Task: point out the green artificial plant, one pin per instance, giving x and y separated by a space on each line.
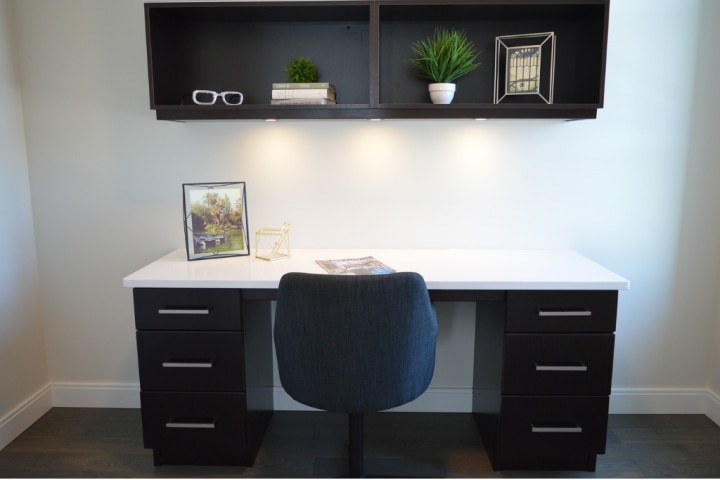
444 56
301 70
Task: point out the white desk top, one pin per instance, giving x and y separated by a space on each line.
442 269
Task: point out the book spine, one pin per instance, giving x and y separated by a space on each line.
280 94
302 101
303 85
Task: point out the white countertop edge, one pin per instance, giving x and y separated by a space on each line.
570 271
430 285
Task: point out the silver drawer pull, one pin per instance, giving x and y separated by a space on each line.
190 424
550 429
539 367
186 364
564 313
184 311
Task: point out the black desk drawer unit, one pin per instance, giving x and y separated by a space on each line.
544 424
185 423
558 364
199 405
187 309
561 311
191 361
543 371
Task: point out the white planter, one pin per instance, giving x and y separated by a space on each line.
441 93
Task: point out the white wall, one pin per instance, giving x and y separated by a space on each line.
665 341
23 366
699 234
628 190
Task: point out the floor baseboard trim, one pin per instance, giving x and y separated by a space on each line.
452 400
94 395
25 415
449 400
713 407
652 401
630 401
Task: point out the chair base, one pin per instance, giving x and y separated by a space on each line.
354 466
381 467
357 434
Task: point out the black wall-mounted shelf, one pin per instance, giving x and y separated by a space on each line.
361 47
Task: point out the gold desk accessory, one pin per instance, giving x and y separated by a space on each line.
273 243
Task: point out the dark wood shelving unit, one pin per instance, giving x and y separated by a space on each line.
361 47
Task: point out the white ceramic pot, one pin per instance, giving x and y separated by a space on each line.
441 93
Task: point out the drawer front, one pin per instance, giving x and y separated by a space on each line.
558 364
214 421
187 309
191 361
538 424
561 311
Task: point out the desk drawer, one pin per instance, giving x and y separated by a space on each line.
187 309
539 424
558 364
214 421
561 311
191 361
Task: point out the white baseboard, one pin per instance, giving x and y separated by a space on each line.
674 401
712 409
128 396
451 400
622 401
25 415
96 395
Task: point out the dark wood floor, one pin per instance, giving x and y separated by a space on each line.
78 442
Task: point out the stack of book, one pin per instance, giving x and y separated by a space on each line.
321 93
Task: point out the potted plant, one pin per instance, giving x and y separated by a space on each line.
301 70
443 57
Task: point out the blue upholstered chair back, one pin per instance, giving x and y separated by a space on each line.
354 343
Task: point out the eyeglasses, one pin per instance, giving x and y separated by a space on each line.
208 97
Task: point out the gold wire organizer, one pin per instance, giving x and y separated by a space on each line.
273 243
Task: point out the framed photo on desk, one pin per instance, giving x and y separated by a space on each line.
215 220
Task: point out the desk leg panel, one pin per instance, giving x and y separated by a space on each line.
487 371
257 323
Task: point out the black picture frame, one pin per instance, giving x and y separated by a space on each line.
215 220
537 82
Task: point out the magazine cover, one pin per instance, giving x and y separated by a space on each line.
355 266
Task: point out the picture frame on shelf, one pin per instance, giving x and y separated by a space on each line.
525 68
215 220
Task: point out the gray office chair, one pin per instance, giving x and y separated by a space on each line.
354 344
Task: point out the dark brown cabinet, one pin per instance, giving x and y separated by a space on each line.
541 383
200 405
543 370
361 47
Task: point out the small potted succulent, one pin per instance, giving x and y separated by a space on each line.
443 57
301 70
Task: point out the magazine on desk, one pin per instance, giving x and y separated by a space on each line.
355 266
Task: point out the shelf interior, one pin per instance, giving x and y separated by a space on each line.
362 48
